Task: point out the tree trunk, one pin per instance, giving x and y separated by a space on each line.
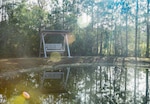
115 40
97 33
135 69
101 44
126 53
147 24
147 87
125 95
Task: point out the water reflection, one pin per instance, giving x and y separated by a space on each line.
86 85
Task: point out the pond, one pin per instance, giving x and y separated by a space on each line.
78 85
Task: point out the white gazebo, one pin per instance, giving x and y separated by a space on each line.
55 46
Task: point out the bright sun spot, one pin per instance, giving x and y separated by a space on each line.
83 20
97 1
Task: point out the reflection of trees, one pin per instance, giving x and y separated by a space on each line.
111 88
102 85
86 85
94 86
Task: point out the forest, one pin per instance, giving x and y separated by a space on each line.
99 27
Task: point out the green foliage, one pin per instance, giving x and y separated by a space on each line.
106 34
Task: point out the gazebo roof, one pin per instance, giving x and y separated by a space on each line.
55 32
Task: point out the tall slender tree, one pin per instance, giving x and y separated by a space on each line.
136 33
148 27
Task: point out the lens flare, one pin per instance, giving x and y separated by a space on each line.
71 38
83 20
55 57
26 95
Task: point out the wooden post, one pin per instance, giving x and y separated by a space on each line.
45 54
67 76
68 49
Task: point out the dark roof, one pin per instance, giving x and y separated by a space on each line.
55 32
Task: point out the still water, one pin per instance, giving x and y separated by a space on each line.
77 85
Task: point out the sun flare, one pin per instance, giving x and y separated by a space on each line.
83 20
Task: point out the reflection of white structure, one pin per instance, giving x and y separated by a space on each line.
54 81
2 99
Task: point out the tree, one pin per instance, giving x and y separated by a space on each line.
148 26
